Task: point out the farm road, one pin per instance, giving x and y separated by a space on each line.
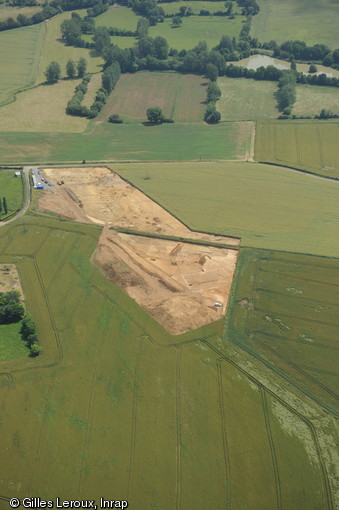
27 197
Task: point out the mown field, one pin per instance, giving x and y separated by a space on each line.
180 96
311 100
117 16
197 28
11 188
309 146
315 21
55 49
243 99
43 109
130 407
20 51
268 207
286 309
108 142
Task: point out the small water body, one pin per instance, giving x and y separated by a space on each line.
256 61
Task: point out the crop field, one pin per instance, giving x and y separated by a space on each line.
287 310
131 405
311 100
308 146
195 5
243 99
20 51
117 16
108 142
180 96
43 109
266 206
55 49
315 21
11 188
197 28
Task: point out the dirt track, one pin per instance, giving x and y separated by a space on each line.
177 283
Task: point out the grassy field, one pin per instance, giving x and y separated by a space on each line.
43 109
11 188
180 96
309 146
19 54
315 21
195 5
195 29
311 100
117 16
268 207
130 407
55 49
243 99
109 142
11 344
7 11
287 310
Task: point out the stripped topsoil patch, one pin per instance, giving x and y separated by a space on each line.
182 285
9 279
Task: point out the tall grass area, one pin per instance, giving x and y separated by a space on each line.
243 99
197 28
311 21
311 100
20 51
122 400
268 207
195 5
55 49
117 16
11 344
11 188
311 146
108 142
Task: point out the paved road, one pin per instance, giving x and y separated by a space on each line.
27 198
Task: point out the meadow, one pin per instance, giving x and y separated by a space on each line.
308 146
43 109
129 405
20 51
311 100
195 5
7 11
54 49
195 29
243 99
311 21
117 16
109 142
286 310
11 188
180 96
268 207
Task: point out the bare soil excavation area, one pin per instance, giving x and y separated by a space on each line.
177 283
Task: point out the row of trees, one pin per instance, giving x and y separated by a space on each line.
73 70
29 335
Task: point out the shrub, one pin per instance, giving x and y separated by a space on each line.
115 119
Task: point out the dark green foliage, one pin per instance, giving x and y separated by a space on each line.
28 334
142 27
211 72
81 67
74 106
212 116
110 77
10 308
115 119
71 32
286 94
101 39
53 72
213 93
4 203
161 48
71 69
155 115
176 21
312 69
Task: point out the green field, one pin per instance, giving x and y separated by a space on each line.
268 207
43 109
311 100
109 142
180 96
171 420
195 5
55 49
243 99
11 188
11 344
20 51
311 21
12 12
195 29
287 310
119 17
309 146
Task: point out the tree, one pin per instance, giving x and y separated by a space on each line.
71 31
115 119
212 72
312 69
155 115
0 208
142 27
161 48
81 66
212 116
229 8
53 72
5 205
35 349
176 21
71 69
213 93
101 39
